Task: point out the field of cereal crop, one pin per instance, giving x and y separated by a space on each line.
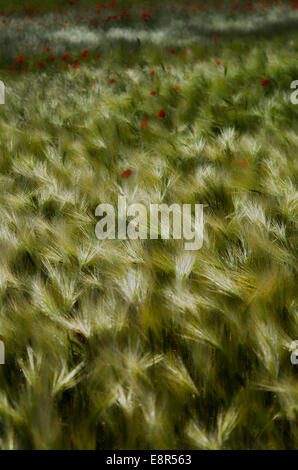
139 343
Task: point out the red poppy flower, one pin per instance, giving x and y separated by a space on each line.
85 53
41 64
152 72
153 93
52 59
11 67
145 16
161 114
20 60
265 81
214 38
176 87
26 69
75 66
126 173
98 55
144 123
172 51
66 56
169 67
243 163
112 80
47 49
218 62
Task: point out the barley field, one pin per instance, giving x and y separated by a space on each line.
139 343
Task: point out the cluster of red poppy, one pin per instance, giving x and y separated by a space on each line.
85 53
51 58
146 16
161 114
112 11
66 56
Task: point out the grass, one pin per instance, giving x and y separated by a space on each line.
139 344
